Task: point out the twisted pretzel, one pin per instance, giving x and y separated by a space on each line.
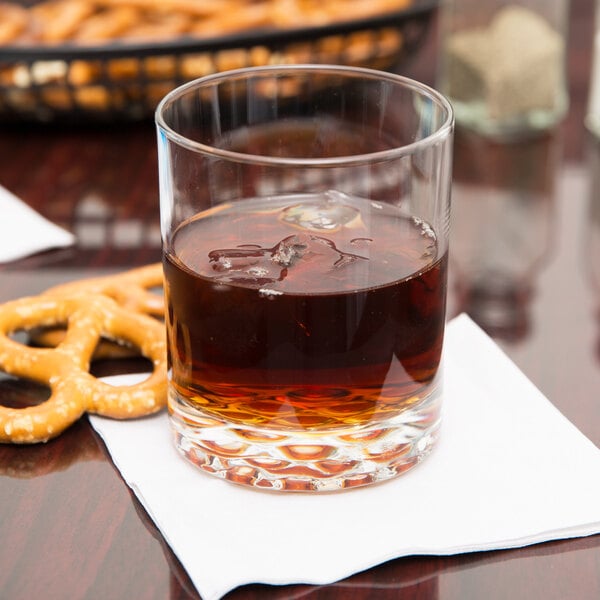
65 368
137 289
131 289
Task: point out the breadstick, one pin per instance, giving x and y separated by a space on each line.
107 25
13 21
60 21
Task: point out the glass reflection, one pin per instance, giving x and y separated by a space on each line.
412 576
592 232
502 225
97 225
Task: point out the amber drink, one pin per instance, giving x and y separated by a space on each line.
305 319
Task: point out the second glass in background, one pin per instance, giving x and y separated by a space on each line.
503 64
592 117
503 225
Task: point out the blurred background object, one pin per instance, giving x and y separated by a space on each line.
502 226
502 64
591 248
592 118
106 60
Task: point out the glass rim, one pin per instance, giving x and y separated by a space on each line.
440 133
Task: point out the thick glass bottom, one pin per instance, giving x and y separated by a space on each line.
307 460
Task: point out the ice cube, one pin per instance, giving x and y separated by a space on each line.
246 265
311 251
326 212
290 249
296 255
234 259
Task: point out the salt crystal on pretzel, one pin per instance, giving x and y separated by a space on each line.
65 368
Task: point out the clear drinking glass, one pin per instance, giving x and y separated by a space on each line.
304 215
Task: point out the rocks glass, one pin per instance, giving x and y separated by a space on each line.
304 217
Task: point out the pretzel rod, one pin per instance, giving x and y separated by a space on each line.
243 17
158 29
107 25
93 21
291 13
190 7
13 20
83 72
360 9
61 20
136 83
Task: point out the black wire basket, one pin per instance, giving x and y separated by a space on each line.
120 81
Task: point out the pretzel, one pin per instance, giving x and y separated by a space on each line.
65 368
132 289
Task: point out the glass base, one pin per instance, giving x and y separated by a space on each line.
307 460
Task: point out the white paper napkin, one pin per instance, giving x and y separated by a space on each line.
509 470
23 231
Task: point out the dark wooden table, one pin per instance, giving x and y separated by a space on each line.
70 527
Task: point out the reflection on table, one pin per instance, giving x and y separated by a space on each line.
591 254
502 226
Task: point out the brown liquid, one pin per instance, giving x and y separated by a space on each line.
280 320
